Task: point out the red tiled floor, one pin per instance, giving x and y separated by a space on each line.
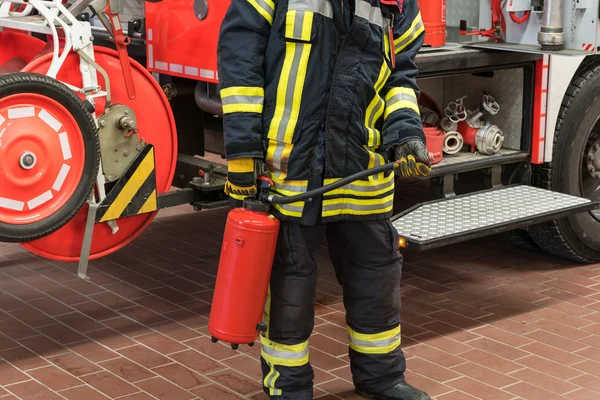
482 320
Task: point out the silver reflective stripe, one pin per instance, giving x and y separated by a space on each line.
267 7
270 380
401 96
290 188
366 11
289 103
375 343
410 37
286 355
357 207
370 188
322 7
291 208
374 112
377 163
298 24
240 99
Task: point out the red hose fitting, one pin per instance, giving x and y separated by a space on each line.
468 133
521 19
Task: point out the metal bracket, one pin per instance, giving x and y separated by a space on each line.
86 246
496 177
448 186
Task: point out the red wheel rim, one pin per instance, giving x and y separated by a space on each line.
157 127
41 158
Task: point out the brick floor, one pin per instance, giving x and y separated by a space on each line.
481 320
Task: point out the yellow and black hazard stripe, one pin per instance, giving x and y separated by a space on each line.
135 192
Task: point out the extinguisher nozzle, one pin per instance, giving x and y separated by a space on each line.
214 339
235 346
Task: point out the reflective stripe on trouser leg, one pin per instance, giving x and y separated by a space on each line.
285 352
374 343
366 255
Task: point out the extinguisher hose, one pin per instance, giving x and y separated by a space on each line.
307 196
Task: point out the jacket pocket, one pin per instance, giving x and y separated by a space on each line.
299 26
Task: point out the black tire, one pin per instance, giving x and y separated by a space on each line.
520 238
21 82
576 237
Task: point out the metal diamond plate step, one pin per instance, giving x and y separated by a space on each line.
447 221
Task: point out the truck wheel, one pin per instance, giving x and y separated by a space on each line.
575 169
49 156
519 238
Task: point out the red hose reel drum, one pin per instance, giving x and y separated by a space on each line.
433 13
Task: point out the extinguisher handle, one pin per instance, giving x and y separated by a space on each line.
265 181
264 184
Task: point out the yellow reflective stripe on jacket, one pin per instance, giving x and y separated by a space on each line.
377 343
289 188
398 98
413 32
289 92
350 206
363 188
242 99
375 108
266 8
375 160
284 354
298 25
290 210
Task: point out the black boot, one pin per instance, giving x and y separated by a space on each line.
401 391
306 395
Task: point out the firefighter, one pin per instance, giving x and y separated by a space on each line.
312 92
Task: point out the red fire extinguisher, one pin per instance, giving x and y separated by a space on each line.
247 255
434 19
246 261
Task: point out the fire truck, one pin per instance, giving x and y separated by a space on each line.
110 110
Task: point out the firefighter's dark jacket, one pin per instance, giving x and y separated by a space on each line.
319 97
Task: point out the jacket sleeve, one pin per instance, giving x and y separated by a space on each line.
402 120
241 52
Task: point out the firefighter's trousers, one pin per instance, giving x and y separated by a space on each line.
368 266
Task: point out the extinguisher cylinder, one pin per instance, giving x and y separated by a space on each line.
434 19
247 254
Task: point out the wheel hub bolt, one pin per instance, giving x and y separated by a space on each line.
27 160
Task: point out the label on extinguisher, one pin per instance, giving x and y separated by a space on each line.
444 11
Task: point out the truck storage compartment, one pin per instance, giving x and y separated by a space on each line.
488 116
480 115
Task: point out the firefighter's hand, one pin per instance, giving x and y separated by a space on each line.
242 174
413 159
